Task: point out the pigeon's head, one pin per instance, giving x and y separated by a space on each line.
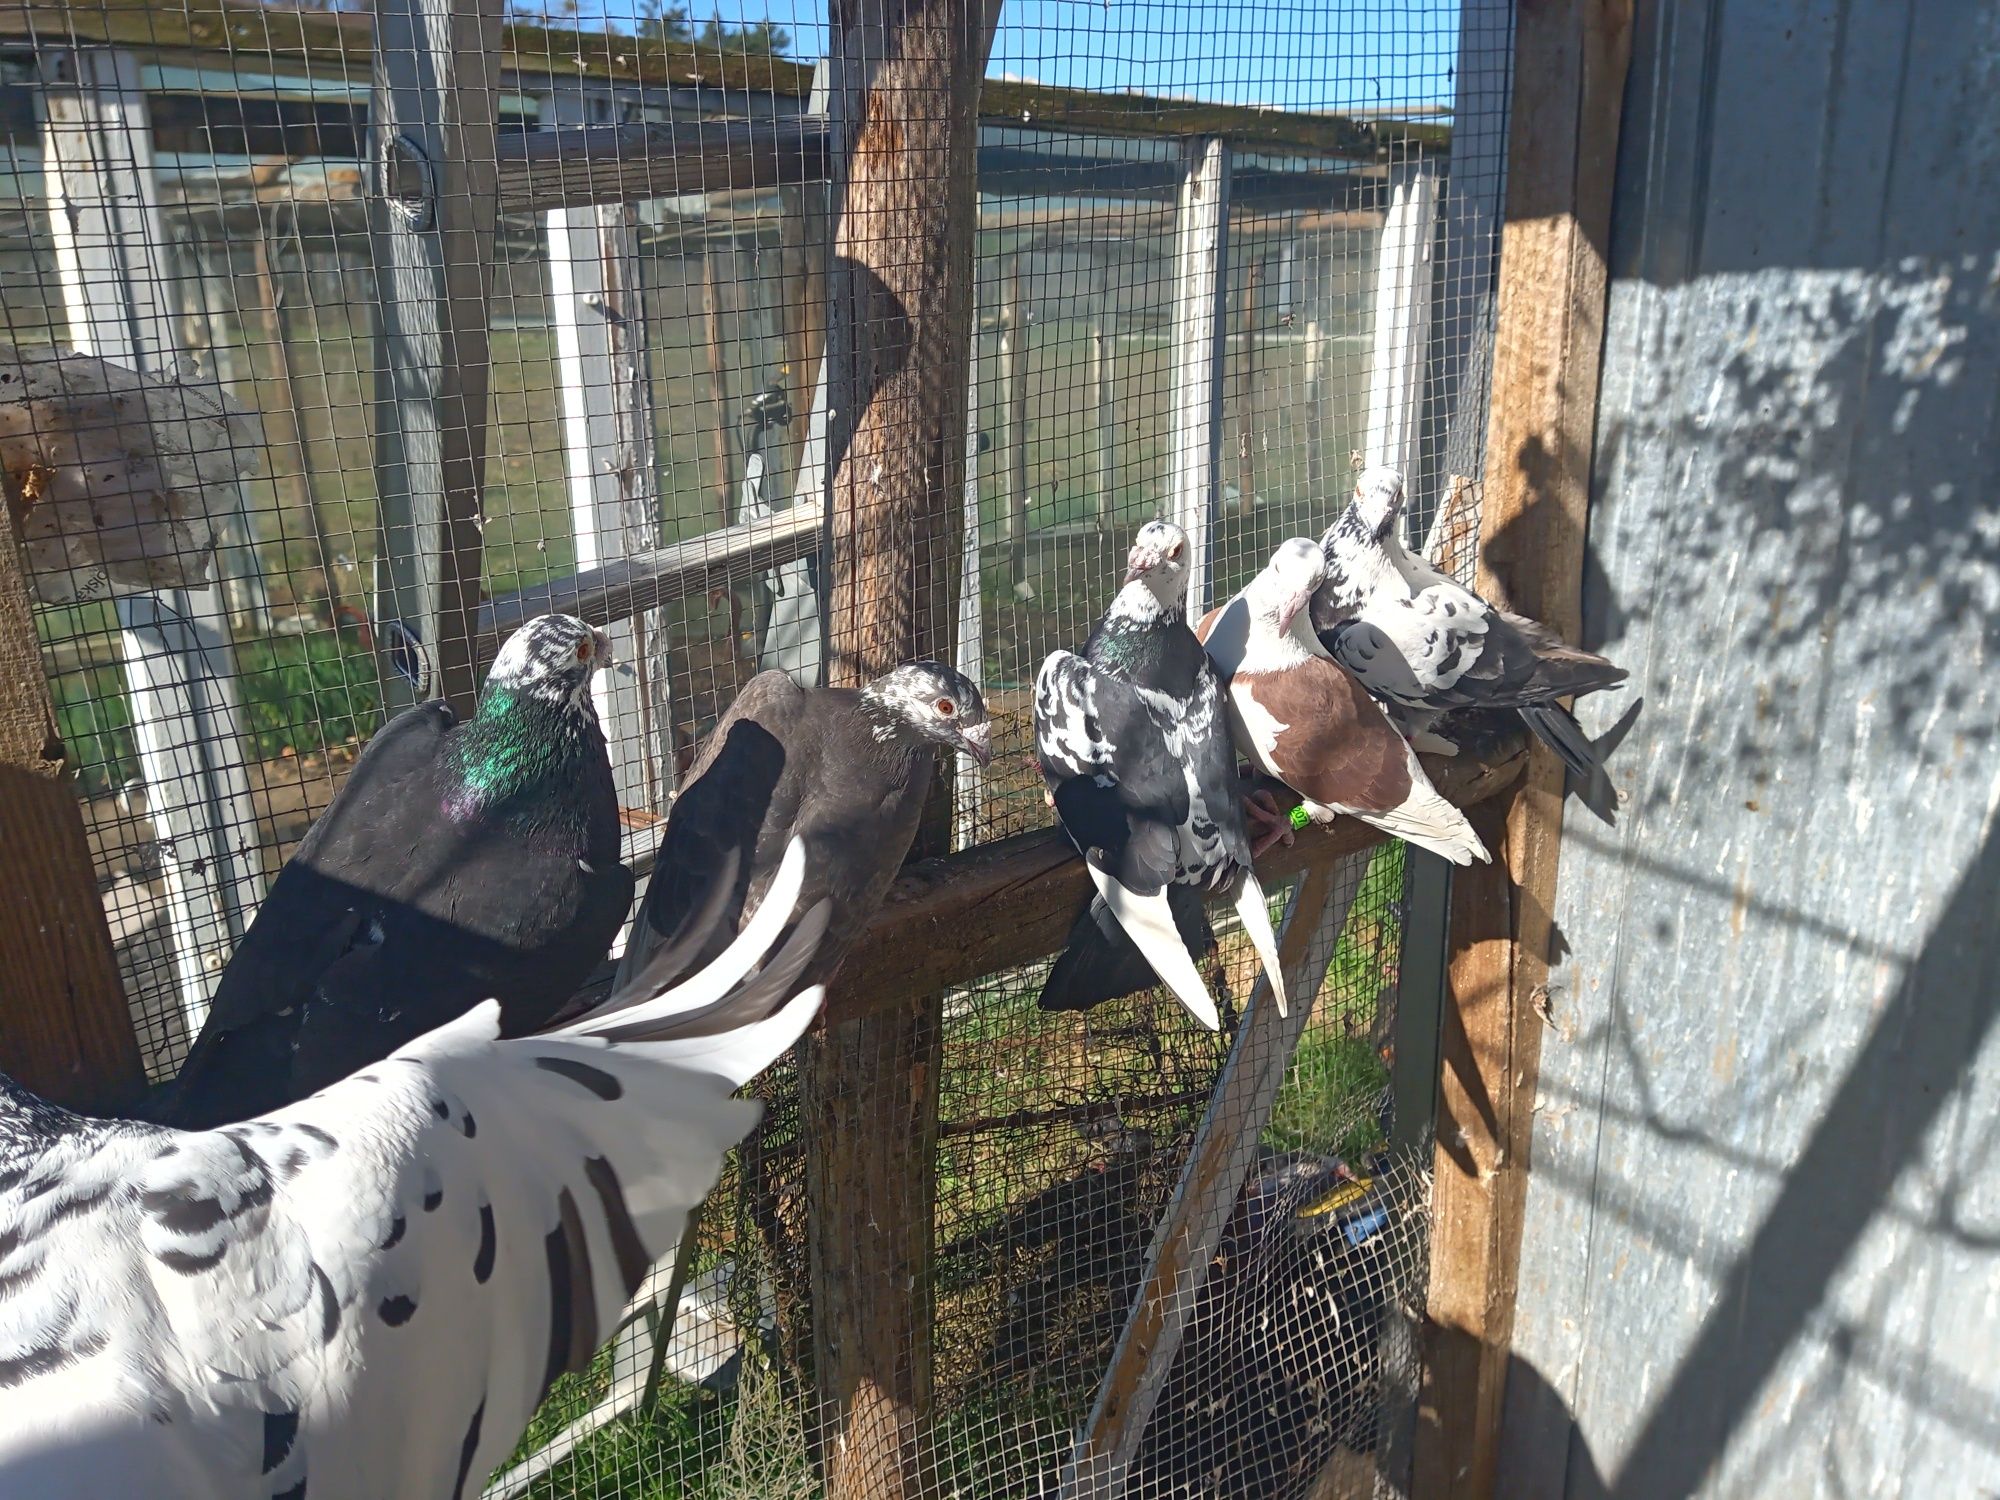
1289 580
550 659
1378 501
937 705
1159 559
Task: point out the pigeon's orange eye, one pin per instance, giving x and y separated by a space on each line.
583 650
1174 552
946 707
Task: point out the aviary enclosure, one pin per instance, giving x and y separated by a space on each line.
817 342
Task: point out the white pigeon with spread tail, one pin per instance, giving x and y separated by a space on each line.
1424 644
365 1295
1133 741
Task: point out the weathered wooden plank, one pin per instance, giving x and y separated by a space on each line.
432 141
1014 318
111 262
64 1031
597 309
618 590
904 84
627 163
1553 280
1201 281
955 919
1185 1239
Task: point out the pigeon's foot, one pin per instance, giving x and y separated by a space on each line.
1262 809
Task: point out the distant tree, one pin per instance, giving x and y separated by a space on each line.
759 38
663 23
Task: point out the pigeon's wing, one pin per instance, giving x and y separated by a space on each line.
369 1292
1121 793
1313 728
1435 651
314 922
736 794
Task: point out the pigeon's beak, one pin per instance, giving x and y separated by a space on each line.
601 653
977 742
1289 610
1139 564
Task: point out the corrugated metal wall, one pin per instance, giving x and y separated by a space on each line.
1762 1251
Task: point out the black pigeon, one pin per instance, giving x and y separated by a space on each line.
367 1293
1282 1358
1133 739
460 862
1424 645
846 770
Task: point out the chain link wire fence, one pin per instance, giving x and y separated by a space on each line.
634 340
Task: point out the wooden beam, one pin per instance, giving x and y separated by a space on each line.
1225 1147
597 310
1104 405
957 918
64 1031
643 580
1553 282
1201 281
432 141
575 168
904 79
1014 384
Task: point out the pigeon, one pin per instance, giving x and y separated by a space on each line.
1302 718
1281 1362
846 770
1132 741
1424 644
365 1295
460 862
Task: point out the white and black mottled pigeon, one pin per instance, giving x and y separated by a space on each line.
846 770
460 862
365 1295
1424 644
1132 740
1301 717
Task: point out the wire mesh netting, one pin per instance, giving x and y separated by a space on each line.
1220 253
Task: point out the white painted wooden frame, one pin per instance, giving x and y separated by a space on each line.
969 790
1403 294
597 310
111 262
1201 285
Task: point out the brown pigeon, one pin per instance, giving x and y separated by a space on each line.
1298 716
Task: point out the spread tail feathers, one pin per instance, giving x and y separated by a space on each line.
1100 963
1557 728
1149 922
1255 913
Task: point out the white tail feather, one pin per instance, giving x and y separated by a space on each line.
1255 914
1149 922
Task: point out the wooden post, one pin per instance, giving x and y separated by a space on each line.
1403 283
179 668
599 315
432 149
969 787
280 412
905 76
1553 279
64 1030
1246 390
1014 378
718 378
1201 281
1225 1147
1104 402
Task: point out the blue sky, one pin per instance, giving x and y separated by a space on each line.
1294 54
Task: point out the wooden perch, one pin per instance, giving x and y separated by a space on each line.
957 918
